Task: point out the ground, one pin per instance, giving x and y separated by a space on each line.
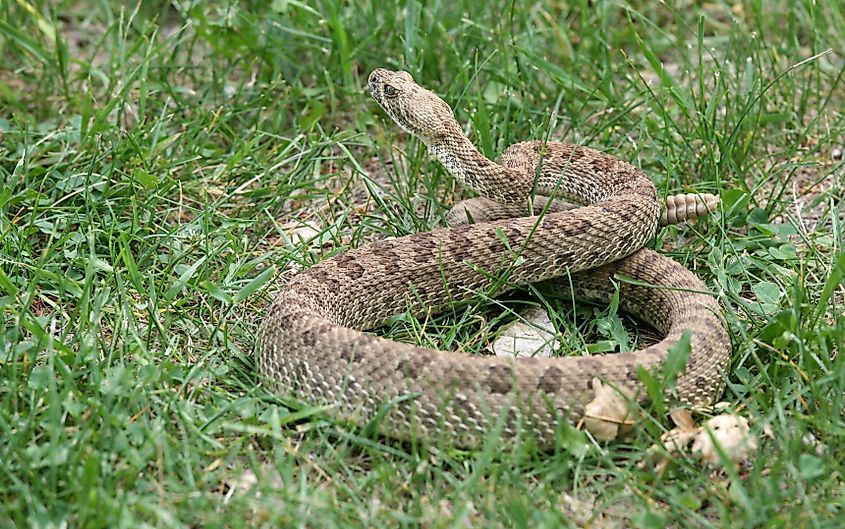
161 165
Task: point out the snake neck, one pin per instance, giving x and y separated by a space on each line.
472 169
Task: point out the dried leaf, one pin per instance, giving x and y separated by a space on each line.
607 416
731 433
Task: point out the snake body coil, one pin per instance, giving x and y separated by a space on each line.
312 344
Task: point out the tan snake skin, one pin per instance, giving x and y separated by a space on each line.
312 345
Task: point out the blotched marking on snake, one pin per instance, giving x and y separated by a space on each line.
312 342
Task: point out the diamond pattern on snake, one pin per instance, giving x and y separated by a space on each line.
313 343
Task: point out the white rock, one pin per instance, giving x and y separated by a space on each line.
532 335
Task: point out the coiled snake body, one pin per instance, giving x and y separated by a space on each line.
312 344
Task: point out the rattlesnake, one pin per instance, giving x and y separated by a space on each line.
311 343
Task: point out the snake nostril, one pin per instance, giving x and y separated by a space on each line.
372 83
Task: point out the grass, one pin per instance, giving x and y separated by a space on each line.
156 161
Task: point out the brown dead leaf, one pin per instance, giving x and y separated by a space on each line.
607 417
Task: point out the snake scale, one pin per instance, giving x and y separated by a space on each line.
312 343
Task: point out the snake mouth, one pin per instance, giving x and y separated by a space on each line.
375 83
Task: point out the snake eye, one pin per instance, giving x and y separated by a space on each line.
390 91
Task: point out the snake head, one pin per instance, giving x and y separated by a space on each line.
415 109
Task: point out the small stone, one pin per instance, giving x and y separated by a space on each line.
532 335
836 153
